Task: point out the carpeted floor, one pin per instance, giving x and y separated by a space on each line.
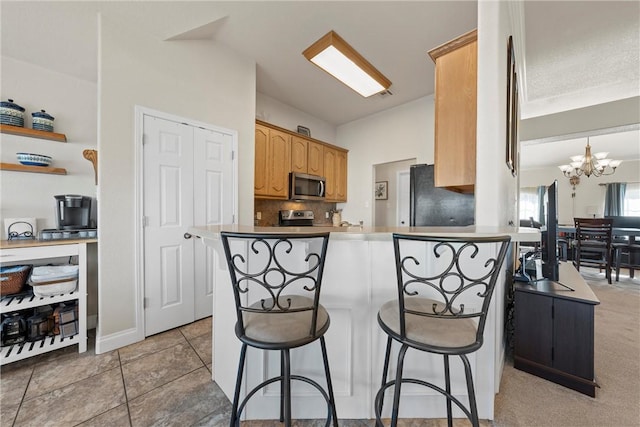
528 401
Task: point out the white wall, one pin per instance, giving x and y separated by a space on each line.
73 103
191 79
496 189
400 133
386 211
407 131
272 111
589 192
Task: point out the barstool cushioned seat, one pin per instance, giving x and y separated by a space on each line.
284 327
433 331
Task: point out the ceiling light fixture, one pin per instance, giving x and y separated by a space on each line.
596 164
338 58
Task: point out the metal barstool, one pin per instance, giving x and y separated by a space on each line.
276 282
438 279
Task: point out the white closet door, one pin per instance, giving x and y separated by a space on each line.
168 208
213 205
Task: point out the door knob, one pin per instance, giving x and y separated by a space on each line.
187 236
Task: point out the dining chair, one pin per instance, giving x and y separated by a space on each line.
593 244
627 255
444 287
276 280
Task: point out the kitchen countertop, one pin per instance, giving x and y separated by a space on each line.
522 234
27 243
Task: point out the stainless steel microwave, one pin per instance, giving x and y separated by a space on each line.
306 187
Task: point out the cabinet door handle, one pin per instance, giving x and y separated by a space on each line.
187 236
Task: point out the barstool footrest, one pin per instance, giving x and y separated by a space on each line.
378 408
280 378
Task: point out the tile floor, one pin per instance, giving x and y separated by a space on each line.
164 380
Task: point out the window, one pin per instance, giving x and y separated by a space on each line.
631 204
529 204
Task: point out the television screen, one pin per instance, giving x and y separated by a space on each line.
550 235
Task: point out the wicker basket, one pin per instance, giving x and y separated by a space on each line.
13 278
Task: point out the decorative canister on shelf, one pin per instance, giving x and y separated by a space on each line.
42 121
11 113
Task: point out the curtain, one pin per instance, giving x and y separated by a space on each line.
541 216
614 199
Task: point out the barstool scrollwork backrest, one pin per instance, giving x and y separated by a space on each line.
278 269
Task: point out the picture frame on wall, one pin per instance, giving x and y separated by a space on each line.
380 190
512 110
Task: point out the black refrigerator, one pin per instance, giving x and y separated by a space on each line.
431 206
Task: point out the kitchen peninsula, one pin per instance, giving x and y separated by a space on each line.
359 277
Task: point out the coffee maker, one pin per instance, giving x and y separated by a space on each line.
73 211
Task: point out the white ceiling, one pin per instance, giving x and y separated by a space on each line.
574 52
621 145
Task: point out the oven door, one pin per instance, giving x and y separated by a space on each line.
306 187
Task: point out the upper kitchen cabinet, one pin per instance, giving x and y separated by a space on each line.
272 163
455 113
315 158
280 151
306 156
299 148
335 172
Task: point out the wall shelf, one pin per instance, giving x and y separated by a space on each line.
33 133
35 169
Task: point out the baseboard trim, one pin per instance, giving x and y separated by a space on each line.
117 340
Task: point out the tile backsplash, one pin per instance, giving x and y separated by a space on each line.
269 210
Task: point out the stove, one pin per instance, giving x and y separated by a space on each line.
295 218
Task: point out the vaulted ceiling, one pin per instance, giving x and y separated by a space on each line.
573 52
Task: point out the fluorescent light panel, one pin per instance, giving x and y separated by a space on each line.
338 58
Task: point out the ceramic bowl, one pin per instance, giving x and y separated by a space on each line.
31 159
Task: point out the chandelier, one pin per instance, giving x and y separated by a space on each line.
590 164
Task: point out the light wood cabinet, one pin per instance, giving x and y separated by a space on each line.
299 149
315 159
279 151
341 176
272 163
455 113
307 156
335 172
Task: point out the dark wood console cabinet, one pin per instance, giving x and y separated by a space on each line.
554 330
